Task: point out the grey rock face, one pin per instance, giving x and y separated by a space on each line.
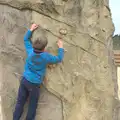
82 86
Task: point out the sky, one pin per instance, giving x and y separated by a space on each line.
115 9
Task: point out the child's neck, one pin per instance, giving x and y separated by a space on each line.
39 51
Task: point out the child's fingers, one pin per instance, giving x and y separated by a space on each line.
36 26
60 37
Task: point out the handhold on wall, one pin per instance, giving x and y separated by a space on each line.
63 31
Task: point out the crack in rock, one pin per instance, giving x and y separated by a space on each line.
26 5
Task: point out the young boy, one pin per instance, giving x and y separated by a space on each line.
34 72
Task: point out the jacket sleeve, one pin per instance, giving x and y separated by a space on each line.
27 41
56 59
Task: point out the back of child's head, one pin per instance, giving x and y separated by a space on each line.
40 43
39 39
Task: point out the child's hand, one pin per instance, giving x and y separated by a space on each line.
33 27
60 43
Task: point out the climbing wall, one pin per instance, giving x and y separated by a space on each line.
82 86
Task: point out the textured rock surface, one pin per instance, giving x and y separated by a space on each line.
82 86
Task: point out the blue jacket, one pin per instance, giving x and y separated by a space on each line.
36 63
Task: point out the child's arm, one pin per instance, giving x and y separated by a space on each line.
27 41
56 59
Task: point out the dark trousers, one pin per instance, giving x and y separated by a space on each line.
27 89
